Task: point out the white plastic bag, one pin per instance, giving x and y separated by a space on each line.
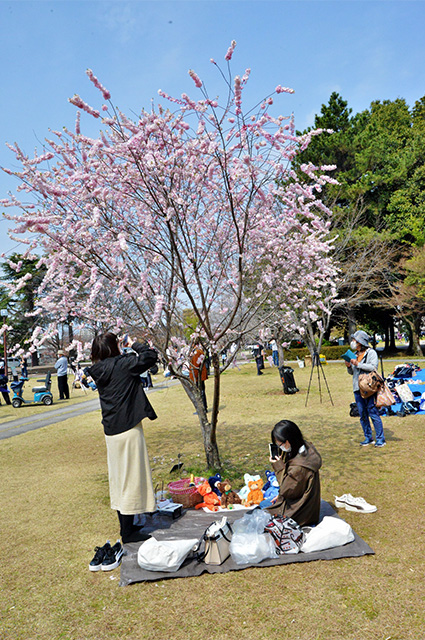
249 543
250 548
164 555
252 522
331 532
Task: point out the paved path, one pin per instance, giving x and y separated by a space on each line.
46 418
22 425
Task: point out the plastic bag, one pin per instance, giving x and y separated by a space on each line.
252 522
252 547
249 544
330 532
164 555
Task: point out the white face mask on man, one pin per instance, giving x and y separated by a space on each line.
353 345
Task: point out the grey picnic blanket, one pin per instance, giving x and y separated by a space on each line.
192 524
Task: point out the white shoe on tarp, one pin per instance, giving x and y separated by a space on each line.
348 502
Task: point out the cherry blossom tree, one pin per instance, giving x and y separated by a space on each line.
174 210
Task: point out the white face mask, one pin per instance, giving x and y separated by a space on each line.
283 448
353 345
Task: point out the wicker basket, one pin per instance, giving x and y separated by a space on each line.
184 494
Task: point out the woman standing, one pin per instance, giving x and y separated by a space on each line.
297 471
366 361
124 405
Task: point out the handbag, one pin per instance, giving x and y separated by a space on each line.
384 397
286 533
370 383
404 392
217 539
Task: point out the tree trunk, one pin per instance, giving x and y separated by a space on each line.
352 324
208 429
392 335
387 338
414 348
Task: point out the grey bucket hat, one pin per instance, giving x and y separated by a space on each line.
361 337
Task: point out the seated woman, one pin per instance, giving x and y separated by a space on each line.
297 471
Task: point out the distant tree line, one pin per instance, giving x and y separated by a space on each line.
378 212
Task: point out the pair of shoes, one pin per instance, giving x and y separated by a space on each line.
348 502
366 442
380 444
107 558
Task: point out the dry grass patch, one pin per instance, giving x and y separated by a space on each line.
55 509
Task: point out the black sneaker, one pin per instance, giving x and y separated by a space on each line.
113 556
99 556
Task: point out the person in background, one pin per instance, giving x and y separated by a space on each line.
297 471
61 367
275 352
24 367
258 351
3 383
366 361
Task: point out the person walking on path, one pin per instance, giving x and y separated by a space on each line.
61 367
124 405
366 361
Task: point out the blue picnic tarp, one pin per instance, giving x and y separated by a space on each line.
414 384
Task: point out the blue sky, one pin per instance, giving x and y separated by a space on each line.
364 50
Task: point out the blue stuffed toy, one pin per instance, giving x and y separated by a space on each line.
212 482
271 488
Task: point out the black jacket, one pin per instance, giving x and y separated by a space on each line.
122 399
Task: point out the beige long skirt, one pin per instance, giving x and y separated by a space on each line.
130 480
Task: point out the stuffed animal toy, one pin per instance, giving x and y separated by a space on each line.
211 500
243 493
271 488
212 481
228 496
255 495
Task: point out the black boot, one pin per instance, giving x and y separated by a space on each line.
129 532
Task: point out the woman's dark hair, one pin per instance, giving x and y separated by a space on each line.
105 345
288 430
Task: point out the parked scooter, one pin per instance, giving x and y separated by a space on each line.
42 394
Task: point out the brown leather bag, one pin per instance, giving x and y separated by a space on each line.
384 397
370 383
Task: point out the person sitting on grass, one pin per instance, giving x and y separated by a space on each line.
297 471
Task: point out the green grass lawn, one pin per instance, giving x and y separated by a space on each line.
55 509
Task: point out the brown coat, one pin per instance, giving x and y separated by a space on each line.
197 368
299 487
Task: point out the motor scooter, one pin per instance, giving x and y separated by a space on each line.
42 394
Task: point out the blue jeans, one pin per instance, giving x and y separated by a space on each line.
275 355
367 409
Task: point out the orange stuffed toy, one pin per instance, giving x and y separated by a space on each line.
211 499
255 495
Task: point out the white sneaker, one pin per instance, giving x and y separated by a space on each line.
348 502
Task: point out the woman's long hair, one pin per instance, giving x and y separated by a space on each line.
288 430
105 345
